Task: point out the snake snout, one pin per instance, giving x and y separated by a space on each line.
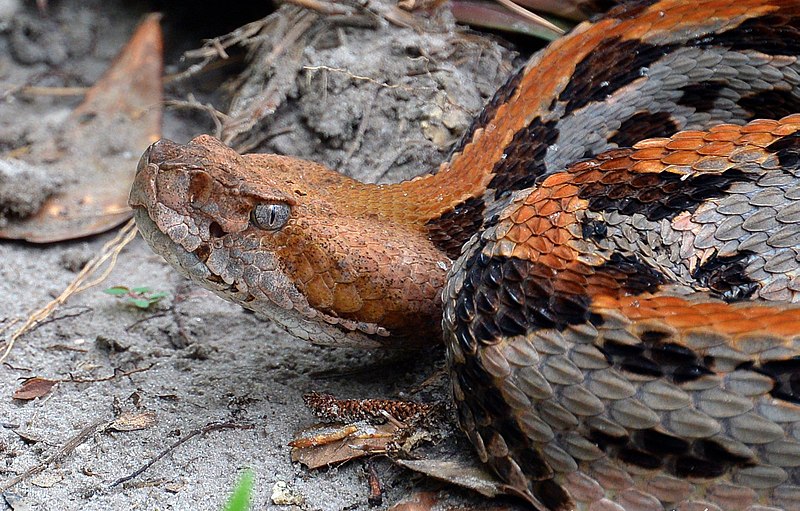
142 189
160 156
164 151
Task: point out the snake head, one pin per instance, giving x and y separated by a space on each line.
291 240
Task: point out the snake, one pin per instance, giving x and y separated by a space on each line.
611 256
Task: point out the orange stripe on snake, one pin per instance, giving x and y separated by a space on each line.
617 297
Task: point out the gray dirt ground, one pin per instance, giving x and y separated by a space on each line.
209 360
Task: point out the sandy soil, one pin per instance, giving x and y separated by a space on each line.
204 360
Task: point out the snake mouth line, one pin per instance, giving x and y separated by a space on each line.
174 253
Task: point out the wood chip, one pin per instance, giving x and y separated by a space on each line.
134 421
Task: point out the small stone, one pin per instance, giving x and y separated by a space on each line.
285 495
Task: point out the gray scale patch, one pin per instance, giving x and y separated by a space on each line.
560 370
662 395
789 214
580 401
785 237
691 423
606 425
719 403
549 342
787 495
514 396
748 383
770 197
760 476
587 356
632 413
519 351
558 459
494 361
783 453
751 428
534 427
635 500
726 359
558 417
609 384
532 383
581 448
761 221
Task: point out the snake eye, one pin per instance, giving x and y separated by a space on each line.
270 217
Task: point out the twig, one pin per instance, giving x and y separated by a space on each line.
375 487
215 48
38 90
289 50
109 252
117 374
362 128
80 311
14 368
358 77
214 426
11 322
144 320
61 452
534 18
191 103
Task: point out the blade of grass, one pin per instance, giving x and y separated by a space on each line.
240 498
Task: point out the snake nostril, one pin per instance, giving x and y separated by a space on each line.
202 252
216 230
161 151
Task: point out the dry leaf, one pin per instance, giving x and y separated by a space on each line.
46 479
174 486
101 140
133 421
28 437
469 476
462 471
325 446
33 388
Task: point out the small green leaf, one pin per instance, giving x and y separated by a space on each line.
142 303
140 290
240 498
157 296
117 290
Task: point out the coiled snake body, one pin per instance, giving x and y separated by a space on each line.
616 239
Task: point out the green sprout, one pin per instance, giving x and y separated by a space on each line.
240 498
142 297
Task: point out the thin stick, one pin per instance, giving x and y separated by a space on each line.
117 374
535 18
214 426
61 452
359 77
110 251
37 90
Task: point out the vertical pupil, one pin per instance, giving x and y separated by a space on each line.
272 215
